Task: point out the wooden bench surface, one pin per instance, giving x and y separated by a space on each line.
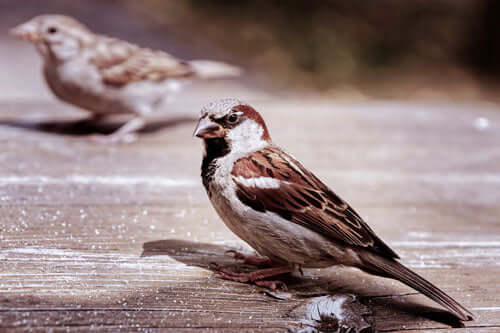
108 237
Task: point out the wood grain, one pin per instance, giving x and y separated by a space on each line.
121 237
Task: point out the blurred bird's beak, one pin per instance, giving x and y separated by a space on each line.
26 31
207 129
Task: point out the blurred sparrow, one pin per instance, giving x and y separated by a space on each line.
108 76
283 211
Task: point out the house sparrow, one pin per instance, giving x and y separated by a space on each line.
292 219
108 76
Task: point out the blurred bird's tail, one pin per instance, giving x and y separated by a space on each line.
207 69
378 265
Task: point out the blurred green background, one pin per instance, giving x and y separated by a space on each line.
352 49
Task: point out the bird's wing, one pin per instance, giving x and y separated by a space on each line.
271 180
120 63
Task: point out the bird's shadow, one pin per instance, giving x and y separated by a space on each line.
83 127
302 286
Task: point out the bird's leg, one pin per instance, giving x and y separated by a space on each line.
256 277
255 260
124 134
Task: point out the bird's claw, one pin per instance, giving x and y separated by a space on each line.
271 285
253 277
219 269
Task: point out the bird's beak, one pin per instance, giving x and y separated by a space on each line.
27 31
207 129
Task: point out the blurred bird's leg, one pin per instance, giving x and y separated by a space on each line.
125 134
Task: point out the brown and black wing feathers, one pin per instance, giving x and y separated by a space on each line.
303 199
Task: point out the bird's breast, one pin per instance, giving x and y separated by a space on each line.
267 232
79 84
72 82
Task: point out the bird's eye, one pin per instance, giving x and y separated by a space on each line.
232 118
52 30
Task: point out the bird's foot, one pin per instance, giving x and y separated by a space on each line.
255 260
255 277
112 138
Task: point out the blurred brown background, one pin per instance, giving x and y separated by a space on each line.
354 49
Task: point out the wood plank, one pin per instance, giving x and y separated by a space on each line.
122 237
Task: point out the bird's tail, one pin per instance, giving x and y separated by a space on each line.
390 268
207 69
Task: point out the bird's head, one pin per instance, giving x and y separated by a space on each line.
57 37
234 123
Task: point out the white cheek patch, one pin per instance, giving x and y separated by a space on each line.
66 49
260 182
246 137
247 130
